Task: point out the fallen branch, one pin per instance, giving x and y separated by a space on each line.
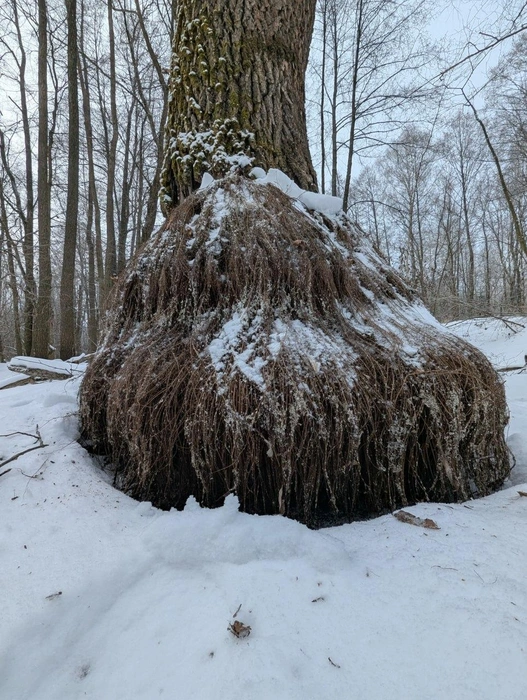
38 437
6 471
20 382
24 452
18 432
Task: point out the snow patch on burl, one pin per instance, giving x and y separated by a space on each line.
323 203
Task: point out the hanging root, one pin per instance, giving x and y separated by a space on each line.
260 349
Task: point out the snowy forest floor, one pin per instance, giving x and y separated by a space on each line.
110 599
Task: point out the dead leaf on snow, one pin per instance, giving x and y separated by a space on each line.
238 629
411 519
523 493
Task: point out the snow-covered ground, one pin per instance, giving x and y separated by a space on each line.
110 599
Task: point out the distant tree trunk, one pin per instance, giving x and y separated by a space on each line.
354 98
157 135
28 243
126 185
324 11
110 263
237 89
13 285
335 58
67 305
95 255
42 327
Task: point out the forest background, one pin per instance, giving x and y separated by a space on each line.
416 117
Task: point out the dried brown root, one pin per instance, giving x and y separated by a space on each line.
257 348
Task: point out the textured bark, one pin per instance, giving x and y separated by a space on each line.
67 282
43 313
110 261
28 243
237 89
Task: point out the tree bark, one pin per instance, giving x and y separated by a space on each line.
94 208
67 282
42 326
110 262
237 90
10 254
28 244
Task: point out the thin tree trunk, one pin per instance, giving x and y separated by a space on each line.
323 104
28 243
334 120
354 105
67 289
518 229
110 265
13 285
323 99
93 197
124 218
42 328
237 90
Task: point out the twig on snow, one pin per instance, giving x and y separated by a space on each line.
38 437
24 452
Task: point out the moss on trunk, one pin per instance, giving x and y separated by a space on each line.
237 92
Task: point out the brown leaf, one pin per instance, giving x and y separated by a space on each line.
523 493
430 524
405 517
238 629
411 519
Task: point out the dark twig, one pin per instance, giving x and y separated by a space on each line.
38 437
24 452
18 432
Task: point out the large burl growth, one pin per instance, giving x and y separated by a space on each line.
261 347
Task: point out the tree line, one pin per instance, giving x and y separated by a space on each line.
81 142
81 157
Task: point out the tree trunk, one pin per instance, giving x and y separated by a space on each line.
28 243
42 327
324 11
126 187
110 262
237 90
67 305
94 209
10 254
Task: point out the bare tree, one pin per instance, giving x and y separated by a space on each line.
43 313
67 283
